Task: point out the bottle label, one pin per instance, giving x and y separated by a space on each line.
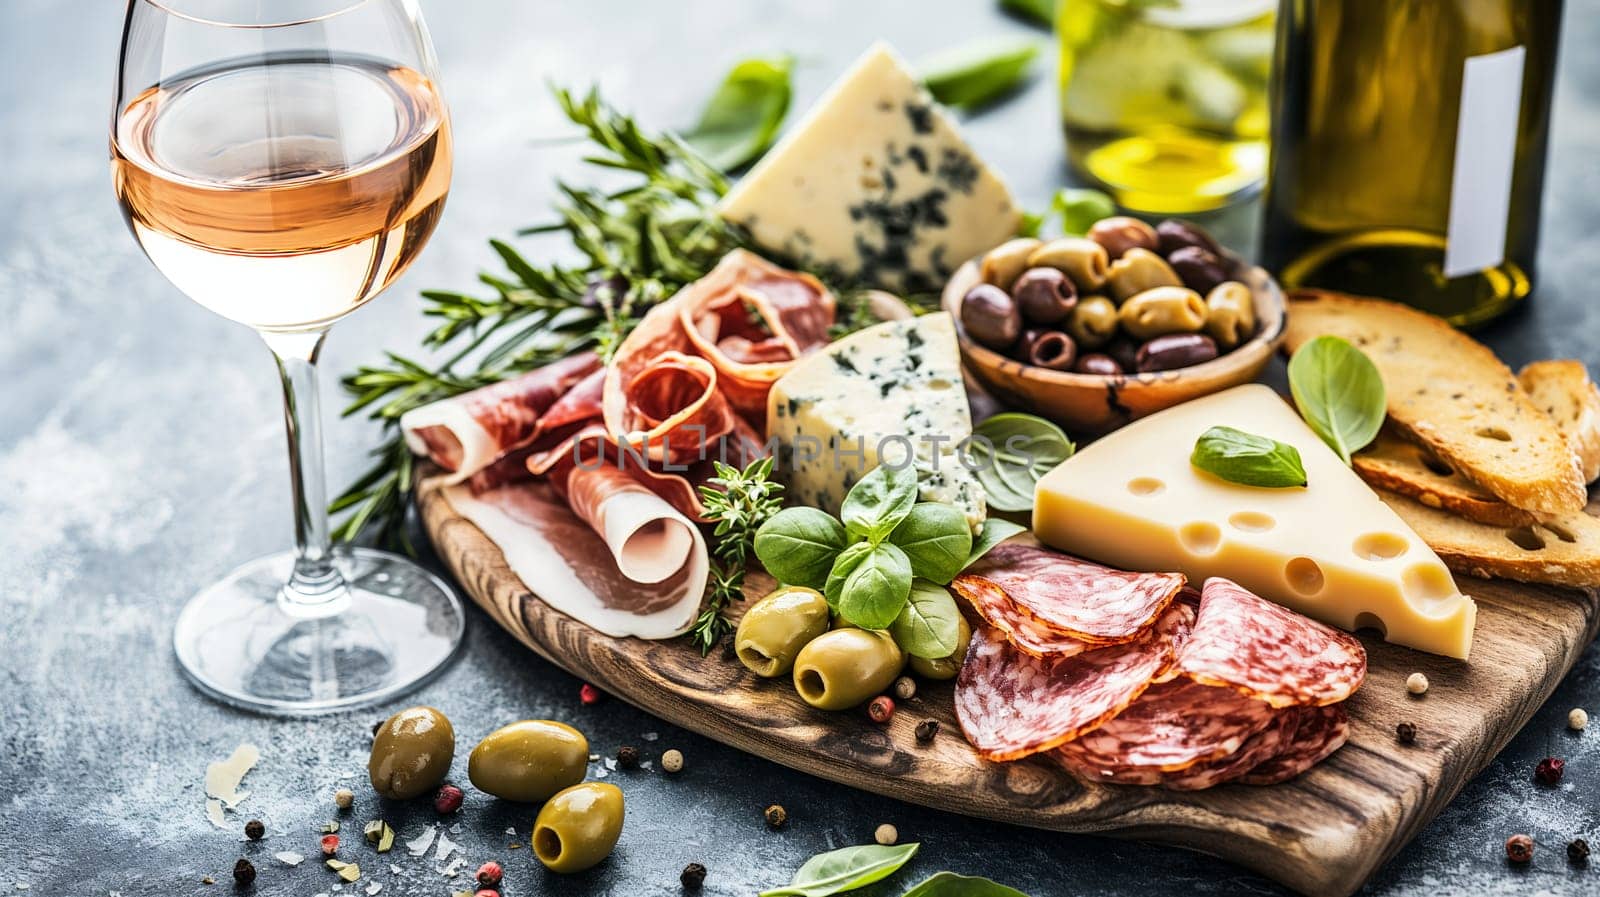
1486 149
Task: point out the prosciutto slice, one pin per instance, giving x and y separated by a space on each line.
466 433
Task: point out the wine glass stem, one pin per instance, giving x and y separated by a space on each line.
315 587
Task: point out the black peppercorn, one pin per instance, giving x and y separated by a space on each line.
777 817
1406 732
244 873
694 875
254 830
926 730
1578 851
628 757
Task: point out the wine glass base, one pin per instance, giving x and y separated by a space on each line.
399 627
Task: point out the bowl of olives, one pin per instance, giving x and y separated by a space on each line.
1095 331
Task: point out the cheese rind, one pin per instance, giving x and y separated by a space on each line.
1332 550
878 393
876 184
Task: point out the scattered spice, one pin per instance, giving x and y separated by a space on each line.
244 873
628 757
1549 770
927 729
905 688
886 834
1406 733
378 832
1577 719
254 830
588 694
489 874
693 876
208 880
881 710
448 799
347 871
328 828
1417 684
776 816
330 845
672 760
344 798
1578 852
1519 848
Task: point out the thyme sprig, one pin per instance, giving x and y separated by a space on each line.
738 501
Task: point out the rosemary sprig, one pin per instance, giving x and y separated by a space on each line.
738 501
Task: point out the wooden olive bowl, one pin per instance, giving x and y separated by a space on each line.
1095 403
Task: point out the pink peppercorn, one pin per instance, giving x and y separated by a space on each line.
588 694
448 800
330 845
489 874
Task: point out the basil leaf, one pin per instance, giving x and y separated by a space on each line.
1080 208
742 118
1248 459
876 588
1010 452
937 540
875 506
844 565
798 546
1339 392
929 625
979 73
1037 12
949 884
845 869
995 530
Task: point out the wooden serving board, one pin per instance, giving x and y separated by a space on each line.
1323 833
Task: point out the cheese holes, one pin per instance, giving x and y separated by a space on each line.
1526 538
1369 620
1304 576
1252 522
1146 486
1380 546
1200 538
1498 434
1430 582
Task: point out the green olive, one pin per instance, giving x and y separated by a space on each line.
1093 322
411 753
945 667
578 827
1083 261
1230 314
775 628
844 667
1137 271
1163 310
529 761
1003 264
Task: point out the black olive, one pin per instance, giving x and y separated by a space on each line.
1095 363
1044 295
990 316
1052 349
1176 350
1199 269
1174 234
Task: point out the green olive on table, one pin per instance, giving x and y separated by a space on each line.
1093 322
1161 311
529 760
845 667
945 667
1230 314
411 753
1137 271
775 628
1002 265
578 827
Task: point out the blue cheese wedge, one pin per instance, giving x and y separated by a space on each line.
875 184
879 394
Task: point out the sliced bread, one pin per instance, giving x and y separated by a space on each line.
1449 392
1562 551
1563 390
1390 463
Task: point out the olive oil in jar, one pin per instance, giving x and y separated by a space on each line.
1164 102
1408 149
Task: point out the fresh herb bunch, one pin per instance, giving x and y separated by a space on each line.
739 502
636 246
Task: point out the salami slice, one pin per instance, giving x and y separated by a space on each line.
1011 704
1321 731
1171 727
1269 652
1075 597
1024 632
1259 747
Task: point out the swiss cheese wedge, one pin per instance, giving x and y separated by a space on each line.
1331 550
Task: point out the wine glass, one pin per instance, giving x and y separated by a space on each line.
282 163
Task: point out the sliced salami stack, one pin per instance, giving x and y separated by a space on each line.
1133 678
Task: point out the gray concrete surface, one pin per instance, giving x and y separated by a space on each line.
141 457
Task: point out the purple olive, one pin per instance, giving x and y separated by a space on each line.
1199 269
1044 295
1096 363
1175 350
1052 349
1120 233
1174 234
990 316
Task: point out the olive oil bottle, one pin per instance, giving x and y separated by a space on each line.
1408 149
